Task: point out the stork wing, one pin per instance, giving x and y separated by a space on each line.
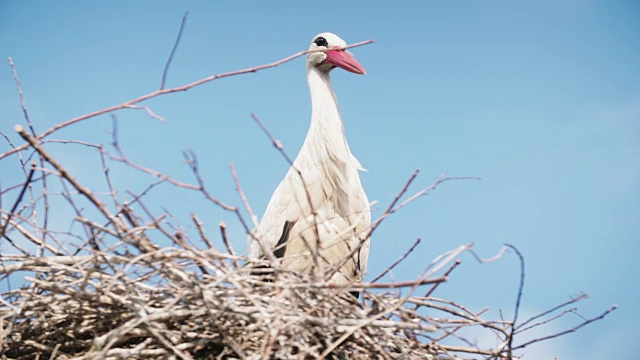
289 203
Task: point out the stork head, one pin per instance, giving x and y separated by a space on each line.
332 55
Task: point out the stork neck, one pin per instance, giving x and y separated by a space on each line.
326 121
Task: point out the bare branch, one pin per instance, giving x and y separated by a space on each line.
446 274
518 299
404 256
3 229
173 51
225 240
276 143
245 201
200 228
555 308
573 329
23 103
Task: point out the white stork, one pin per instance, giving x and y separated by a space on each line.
319 217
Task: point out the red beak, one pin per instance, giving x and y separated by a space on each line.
344 60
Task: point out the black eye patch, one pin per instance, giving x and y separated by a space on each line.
320 41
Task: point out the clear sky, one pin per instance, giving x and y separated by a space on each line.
540 100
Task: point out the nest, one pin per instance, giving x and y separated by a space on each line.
197 304
141 302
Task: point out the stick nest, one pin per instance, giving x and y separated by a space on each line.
175 303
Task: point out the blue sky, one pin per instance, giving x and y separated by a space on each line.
540 100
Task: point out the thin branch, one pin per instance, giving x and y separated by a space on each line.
30 236
16 186
553 309
573 329
23 103
245 201
389 209
225 240
433 186
555 317
447 274
404 256
173 51
393 285
3 229
276 143
147 110
76 142
201 231
518 300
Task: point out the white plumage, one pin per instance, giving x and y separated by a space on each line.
321 196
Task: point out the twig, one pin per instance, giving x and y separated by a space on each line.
446 274
495 257
147 110
30 236
225 240
3 229
404 256
23 103
395 285
245 201
573 329
443 178
389 209
518 299
173 50
276 143
553 309
77 142
91 238
19 185
200 228
565 312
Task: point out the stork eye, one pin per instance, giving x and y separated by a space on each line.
321 42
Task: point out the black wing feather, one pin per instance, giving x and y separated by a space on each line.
281 247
